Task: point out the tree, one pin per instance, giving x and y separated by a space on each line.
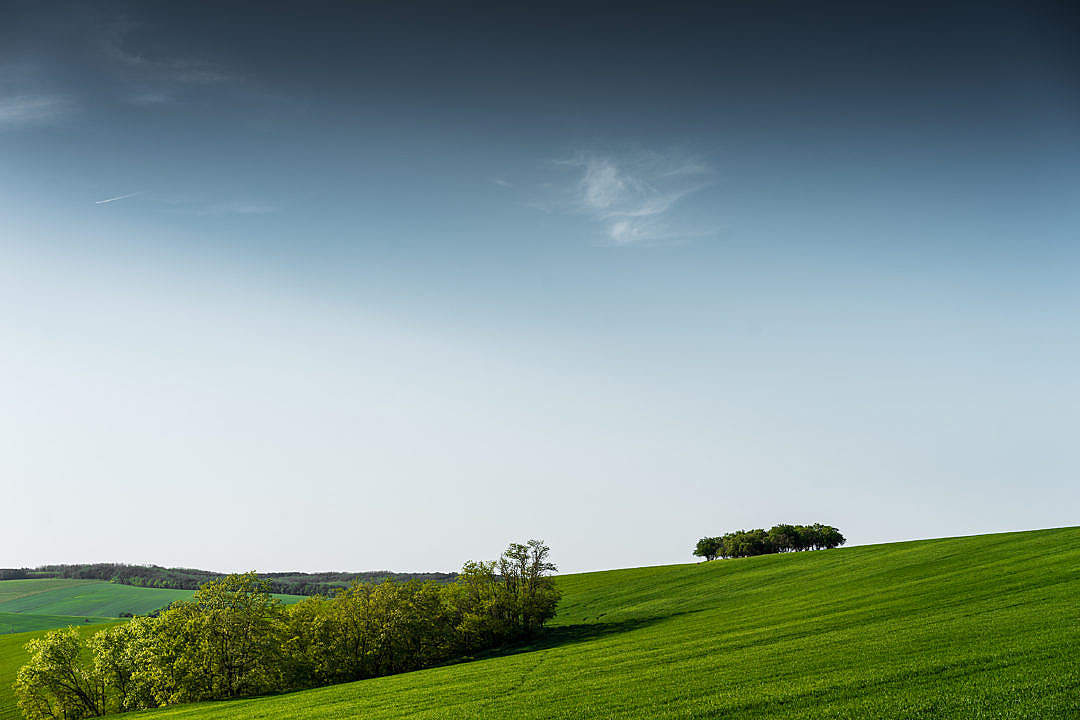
117 653
785 538
59 681
709 548
224 643
831 537
540 596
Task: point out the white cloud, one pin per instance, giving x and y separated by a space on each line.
634 196
22 110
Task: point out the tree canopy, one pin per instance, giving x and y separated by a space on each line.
777 539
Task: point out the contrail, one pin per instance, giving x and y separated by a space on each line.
118 197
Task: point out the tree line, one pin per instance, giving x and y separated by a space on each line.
154 576
234 639
777 539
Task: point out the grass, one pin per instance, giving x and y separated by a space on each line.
12 656
18 622
81 598
96 598
16 589
965 628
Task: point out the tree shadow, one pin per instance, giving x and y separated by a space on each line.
560 635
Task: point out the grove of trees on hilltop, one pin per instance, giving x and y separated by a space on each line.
777 539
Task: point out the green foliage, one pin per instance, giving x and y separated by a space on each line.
709 547
58 682
780 538
234 639
13 656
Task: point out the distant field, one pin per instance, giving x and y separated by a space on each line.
19 622
12 656
83 598
958 629
98 599
16 589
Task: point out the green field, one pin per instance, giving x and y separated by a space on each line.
964 628
74 600
17 589
19 622
95 598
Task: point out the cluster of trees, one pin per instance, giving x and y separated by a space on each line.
286 583
777 539
234 639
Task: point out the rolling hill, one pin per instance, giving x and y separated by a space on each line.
93 598
34 604
965 628
12 590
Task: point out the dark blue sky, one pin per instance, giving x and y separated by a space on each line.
687 267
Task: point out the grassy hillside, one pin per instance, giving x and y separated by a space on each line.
17 589
19 622
12 656
88 598
964 628
101 599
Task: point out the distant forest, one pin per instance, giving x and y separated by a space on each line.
286 583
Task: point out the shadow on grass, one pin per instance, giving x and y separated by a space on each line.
560 635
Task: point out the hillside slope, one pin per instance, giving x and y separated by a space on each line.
975 627
11 590
100 599
20 623
94 599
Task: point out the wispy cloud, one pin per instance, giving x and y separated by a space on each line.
25 110
118 197
116 41
633 196
154 77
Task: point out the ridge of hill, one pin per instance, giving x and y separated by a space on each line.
963 628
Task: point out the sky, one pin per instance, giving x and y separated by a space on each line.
382 285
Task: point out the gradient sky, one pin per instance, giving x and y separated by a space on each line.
394 284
